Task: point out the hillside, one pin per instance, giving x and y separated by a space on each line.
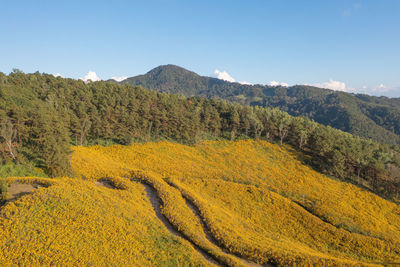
377 118
238 203
41 116
71 222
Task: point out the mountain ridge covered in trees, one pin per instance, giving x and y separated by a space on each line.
372 117
42 116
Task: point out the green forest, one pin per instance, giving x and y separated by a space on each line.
372 117
41 116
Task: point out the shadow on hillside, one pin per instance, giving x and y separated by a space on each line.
308 159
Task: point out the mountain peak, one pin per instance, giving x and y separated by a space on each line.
170 79
297 100
170 69
167 67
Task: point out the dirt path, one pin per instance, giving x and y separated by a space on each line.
156 203
17 190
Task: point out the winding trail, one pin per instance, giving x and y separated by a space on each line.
156 203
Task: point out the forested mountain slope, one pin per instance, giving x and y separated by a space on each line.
41 116
366 116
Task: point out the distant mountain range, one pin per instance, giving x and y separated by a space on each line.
372 117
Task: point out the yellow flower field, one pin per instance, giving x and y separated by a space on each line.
77 223
257 200
260 200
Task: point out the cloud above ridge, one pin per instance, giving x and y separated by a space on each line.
90 76
334 85
275 83
223 75
119 79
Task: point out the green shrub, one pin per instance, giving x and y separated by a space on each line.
20 170
3 191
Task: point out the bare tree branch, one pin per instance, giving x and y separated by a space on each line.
8 133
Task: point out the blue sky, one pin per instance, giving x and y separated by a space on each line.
345 45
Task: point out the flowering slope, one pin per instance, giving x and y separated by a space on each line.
258 199
71 222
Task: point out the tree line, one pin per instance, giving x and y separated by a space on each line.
41 116
376 118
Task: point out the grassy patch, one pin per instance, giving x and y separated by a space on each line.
19 170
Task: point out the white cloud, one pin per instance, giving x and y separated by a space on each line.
120 79
245 82
378 90
223 75
275 83
382 86
335 85
90 76
58 75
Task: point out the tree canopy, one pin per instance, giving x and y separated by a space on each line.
372 117
45 115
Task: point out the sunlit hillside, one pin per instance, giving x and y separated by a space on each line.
259 200
151 134
70 222
244 203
